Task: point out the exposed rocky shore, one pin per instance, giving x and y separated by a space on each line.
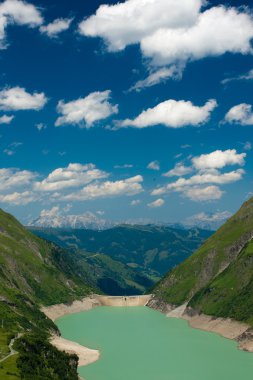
226 327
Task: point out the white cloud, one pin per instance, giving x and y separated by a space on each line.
88 110
74 175
129 22
40 126
154 165
200 194
56 27
135 202
172 114
219 159
124 166
12 178
203 217
5 119
208 177
158 76
247 76
217 31
18 199
17 12
202 185
170 31
178 171
240 114
130 186
157 203
17 99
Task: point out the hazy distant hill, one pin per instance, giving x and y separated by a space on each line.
218 278
149 248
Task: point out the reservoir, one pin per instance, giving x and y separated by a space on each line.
138 343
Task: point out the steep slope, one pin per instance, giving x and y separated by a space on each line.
33 272
111 276
150 249
218 278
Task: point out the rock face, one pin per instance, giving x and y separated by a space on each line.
217 279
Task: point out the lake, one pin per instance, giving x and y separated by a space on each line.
138 343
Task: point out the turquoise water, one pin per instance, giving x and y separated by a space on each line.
142 344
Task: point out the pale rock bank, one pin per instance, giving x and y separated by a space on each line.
226 327
57 311
86 355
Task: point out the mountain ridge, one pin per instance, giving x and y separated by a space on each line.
218 276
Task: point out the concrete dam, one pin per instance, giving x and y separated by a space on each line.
123 301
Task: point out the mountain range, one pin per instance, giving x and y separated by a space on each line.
150 249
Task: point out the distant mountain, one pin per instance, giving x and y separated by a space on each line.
56 218
88 220
150 249
218 278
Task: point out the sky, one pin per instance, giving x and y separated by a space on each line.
132 111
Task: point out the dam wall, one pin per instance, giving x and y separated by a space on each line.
124 301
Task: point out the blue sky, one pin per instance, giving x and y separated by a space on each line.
95 115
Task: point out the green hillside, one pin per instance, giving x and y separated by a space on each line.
33 272
150 249
218 278
112 276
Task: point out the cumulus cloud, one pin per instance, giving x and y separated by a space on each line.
209 177
203 218
172 114
157 203
172 32
154 165
200 186
130 186
158 76
12 178
56 27
17 12
199 194
88 110
240 114
178 171
18 99
19 199
76 182
5 119
219 159
129 22
217 31
74 175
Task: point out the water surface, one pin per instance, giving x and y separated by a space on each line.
138 343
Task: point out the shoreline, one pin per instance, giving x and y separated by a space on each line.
86 355
227 328
60 310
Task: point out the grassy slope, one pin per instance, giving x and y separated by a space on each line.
112 276
218 278
32 272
